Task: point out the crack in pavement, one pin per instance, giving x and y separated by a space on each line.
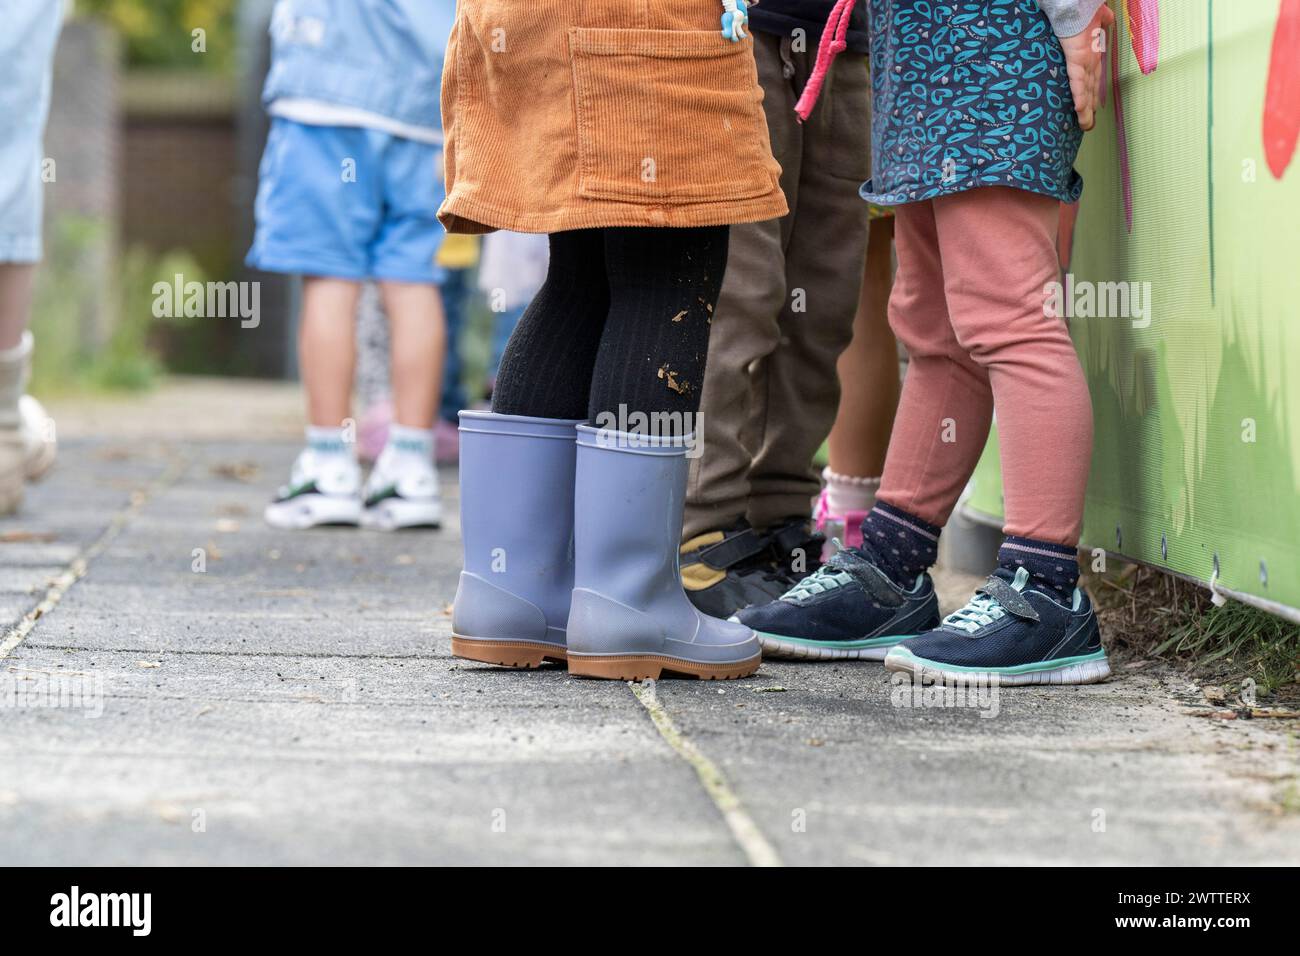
76 569
743 828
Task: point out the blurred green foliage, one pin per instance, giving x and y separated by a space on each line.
65 312
161 33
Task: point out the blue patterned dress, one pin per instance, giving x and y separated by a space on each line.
968 93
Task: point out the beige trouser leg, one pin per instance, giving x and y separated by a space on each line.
787 304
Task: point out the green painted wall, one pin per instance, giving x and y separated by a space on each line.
1197 450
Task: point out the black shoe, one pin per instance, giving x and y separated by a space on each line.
847 610
725 571
796 550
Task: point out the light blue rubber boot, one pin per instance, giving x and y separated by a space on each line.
629 618
516 521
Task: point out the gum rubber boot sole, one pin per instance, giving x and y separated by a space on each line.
520 654
651 666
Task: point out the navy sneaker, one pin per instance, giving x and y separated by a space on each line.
1015 634
846 610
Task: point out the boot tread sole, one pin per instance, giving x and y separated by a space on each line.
525 655
652 666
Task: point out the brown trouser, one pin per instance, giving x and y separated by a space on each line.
787 303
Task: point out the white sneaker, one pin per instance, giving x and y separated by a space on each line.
39 444
322 489
402 492
26 438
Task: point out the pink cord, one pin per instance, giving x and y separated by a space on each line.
833 43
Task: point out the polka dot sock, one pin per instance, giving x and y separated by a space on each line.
900 544
1053 568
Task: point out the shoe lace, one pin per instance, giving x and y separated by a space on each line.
994 600
829 576
981 611
846 566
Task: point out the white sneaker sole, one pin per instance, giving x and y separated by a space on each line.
776 647
393 514
1092 670
309 511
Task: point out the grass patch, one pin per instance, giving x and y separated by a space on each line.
1146 613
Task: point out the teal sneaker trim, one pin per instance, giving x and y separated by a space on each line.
845 645
1097 655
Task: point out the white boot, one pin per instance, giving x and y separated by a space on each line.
27 444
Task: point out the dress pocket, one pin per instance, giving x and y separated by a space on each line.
668 116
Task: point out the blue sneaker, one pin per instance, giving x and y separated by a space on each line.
1013 634
846 610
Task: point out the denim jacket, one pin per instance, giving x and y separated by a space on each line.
382 56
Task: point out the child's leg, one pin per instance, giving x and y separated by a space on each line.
402 489
15 360
418 338
16 280
943 413
663 285
27 444
630 618
327 347
1028 624
547 366
845 611
946 405
999 255
325 481
15 308
868 374
517 467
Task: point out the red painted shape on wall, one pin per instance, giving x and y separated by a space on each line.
1282 95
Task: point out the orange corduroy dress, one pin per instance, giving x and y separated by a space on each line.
574 114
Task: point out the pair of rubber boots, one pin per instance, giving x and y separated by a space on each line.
571 538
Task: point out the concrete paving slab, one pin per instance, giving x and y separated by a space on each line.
296 702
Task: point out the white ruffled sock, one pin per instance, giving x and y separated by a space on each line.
845 493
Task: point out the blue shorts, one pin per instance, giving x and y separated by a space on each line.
348 202
26 53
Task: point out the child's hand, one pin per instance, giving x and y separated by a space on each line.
1085 57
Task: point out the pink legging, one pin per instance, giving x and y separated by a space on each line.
969 306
